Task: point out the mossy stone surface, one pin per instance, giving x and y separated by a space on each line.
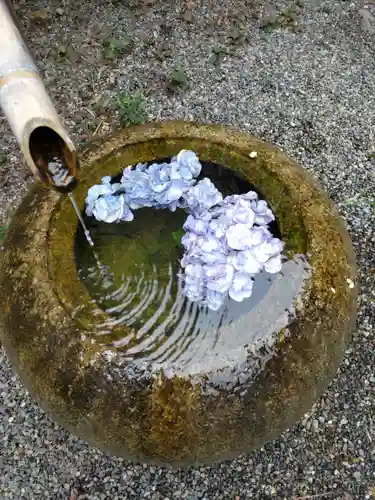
48 325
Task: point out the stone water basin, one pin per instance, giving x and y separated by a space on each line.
122 360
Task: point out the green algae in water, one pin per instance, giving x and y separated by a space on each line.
137 286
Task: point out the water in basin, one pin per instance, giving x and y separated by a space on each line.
137 285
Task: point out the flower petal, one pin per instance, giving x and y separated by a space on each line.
246 262
242 287
238 237
274 264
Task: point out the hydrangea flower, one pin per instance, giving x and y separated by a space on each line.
112 209
273 264
158 185
231 245
93 195
238 236
186 165
263 214
196 226
242 287
201 197
136 184
214 300
267 249
219 277
194 282
226 241
245 261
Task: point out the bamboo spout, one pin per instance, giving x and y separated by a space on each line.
46 146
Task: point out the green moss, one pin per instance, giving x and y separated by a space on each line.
2 232
172 404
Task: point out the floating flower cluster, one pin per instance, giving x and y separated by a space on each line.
227 241
161 185
225 247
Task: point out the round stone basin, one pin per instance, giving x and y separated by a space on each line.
140 372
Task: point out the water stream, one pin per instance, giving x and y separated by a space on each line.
81 221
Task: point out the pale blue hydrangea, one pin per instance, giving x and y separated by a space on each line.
219 277
186 165
201 197
158 185
94 193
241 287
246 261
227 242
274 264
154 186
194 281
136 184
112 209
238 236
213 300
196 226
263 214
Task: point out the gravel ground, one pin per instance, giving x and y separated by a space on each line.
299 75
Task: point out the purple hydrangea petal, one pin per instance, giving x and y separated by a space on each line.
219 278
190 160
127 214
94 193
242 287
250 195
238 237
260 253
259 235
173 206
195 270
202 196
206 216
197 226
208 257
246 262
159 178
263 214
209 243
109 209
189 239
219 226
140 167
214 300
160 187
269 248
273 265
273 246
176 190
242 213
